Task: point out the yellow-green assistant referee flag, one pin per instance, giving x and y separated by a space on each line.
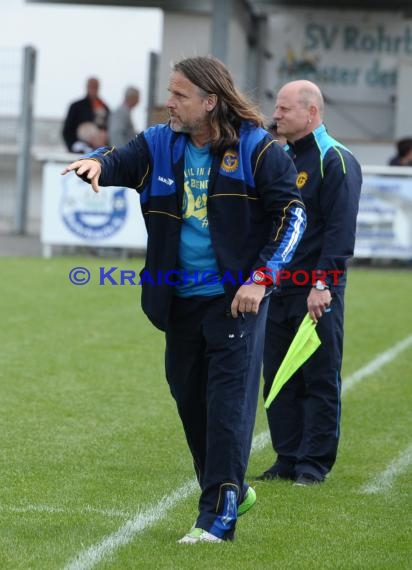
304 344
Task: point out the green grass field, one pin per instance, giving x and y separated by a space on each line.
93 458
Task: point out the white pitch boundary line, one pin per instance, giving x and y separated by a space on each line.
51 510
384 481
89 557
377 363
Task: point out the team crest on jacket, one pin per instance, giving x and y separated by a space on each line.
301 179
230 161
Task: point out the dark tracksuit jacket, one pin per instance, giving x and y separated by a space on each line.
330 179
213 362
256 216
79 112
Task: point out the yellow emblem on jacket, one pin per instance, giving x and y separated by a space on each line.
230 161
301 179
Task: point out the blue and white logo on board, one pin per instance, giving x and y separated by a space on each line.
93 216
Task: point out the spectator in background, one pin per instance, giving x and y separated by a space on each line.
85 126
89 137
121 128
404 156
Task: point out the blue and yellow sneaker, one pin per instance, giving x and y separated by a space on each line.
200 535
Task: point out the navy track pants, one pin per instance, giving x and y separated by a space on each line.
213 365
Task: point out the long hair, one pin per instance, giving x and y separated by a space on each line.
211 76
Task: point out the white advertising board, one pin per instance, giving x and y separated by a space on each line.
72 214
384 227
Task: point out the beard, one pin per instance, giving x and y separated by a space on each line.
179 126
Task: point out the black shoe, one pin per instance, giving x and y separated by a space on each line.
275 472
306 479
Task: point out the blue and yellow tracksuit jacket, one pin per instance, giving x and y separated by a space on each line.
255 212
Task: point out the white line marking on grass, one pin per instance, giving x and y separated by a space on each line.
260 441
142 520
88 558
51 510
377 363
384 481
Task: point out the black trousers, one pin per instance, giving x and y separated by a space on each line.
213 365
304 417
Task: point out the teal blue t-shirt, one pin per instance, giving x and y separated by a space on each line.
198 270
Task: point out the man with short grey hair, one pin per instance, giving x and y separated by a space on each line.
121 128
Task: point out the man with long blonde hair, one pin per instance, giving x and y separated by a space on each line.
223 215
